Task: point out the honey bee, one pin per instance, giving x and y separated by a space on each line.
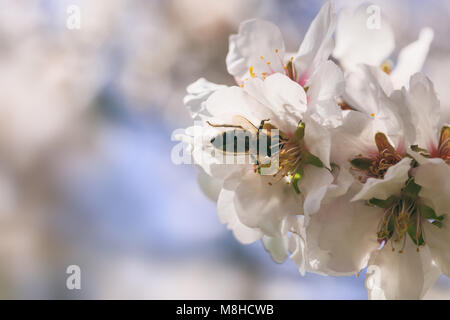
246 138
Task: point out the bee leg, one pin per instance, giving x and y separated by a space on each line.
224 125
261 125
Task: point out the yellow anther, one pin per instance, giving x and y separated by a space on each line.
268 62
252 74
261 57
276 50
372 115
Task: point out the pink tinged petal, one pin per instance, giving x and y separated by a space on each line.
411 58
317 44
394 180
406 275
342 235
358 44
264 206
254 46
228 215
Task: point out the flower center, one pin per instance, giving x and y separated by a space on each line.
376 164
403 216
291 155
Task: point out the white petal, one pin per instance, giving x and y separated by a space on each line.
326 85
411 58
210 186
365 86
394 275
424 111
317 44
317 140
256 38
297 246
264 206
198 93
228 102
277 247
284 97
434 178
356 43
228 215
314 186
342 235
394 180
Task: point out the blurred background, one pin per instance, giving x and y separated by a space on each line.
85 140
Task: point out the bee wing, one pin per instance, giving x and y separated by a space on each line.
244 123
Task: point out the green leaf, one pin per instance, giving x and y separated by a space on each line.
297 176
411 189
428 212
309 158
299 133
361 163
383 203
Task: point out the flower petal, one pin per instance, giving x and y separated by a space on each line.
434 178
317 140
228 215
394 180
318 43
255 39
198 92
284 97
406 275
264 206
314 185
411 58
277 247
423 109
342 235
356 43
326 85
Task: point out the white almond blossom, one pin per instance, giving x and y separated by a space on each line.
249 199
258 49
359 43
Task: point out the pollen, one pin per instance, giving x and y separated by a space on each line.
372 115
261 57
276 50
268 62
252 73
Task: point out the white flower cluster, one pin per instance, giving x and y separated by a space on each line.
361 152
